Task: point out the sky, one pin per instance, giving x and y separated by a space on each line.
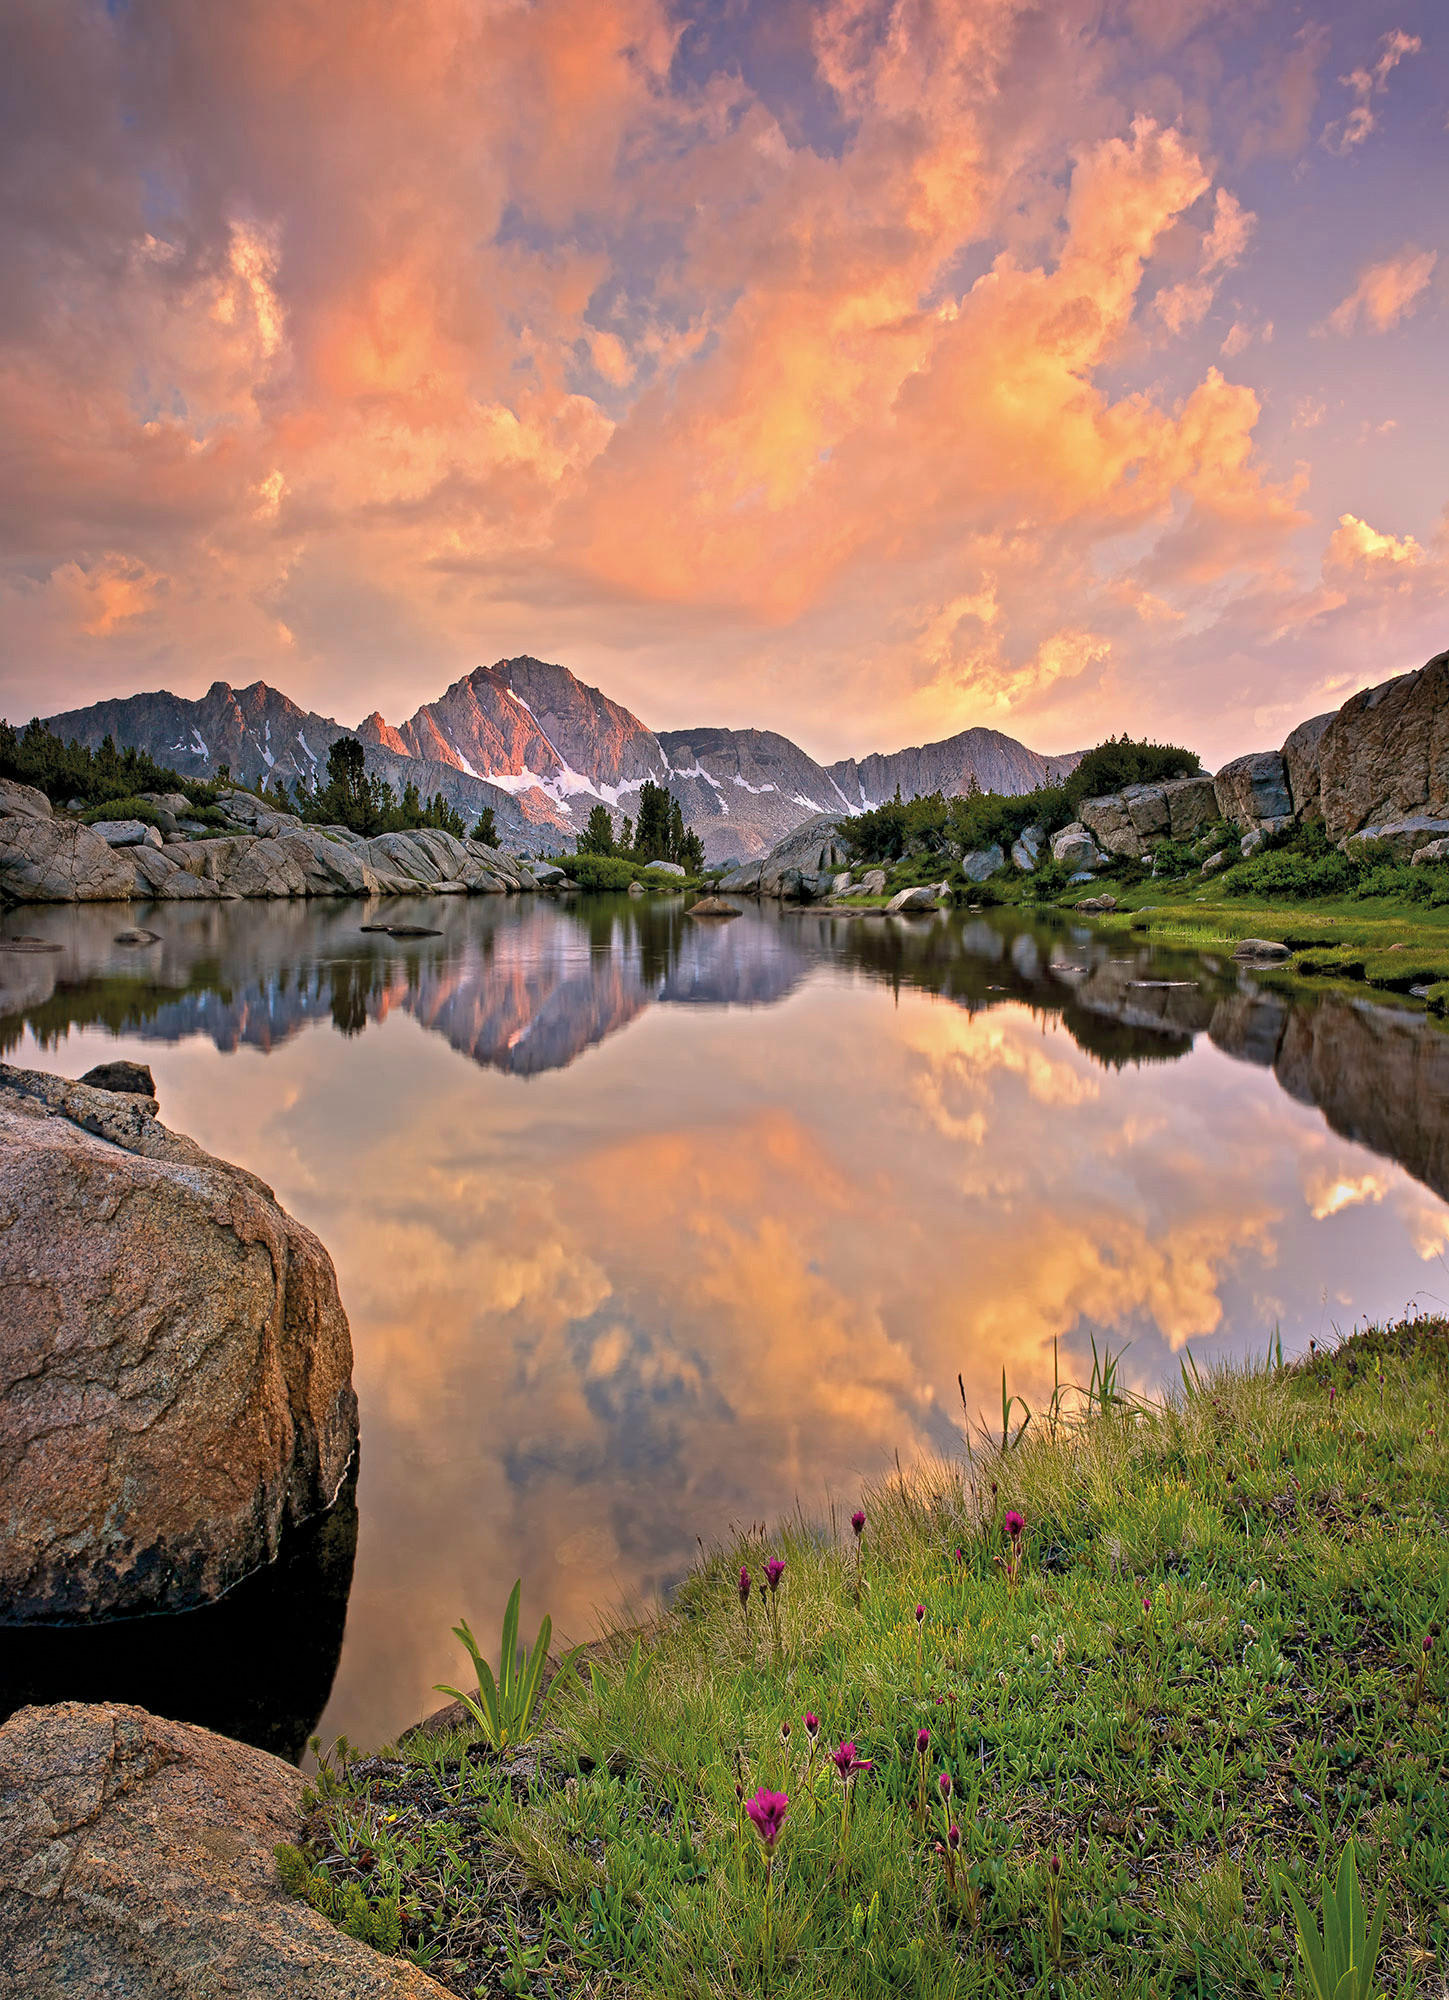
862 369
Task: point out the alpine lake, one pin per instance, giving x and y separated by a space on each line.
648 1225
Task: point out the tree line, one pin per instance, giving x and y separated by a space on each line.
658 833
934 823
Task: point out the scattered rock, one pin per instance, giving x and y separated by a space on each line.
906 901
1436 850
1094 906
23 944
978 865
546 872
1266 950
712 906
1074 848
666 868
1251 842
1215 862
1398 839
405 930
137 1858
636 889
138 936
1026 849
129 1078
127 832
175 1364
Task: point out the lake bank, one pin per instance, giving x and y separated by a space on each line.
1200 1659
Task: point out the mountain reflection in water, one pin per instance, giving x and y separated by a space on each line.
610 1290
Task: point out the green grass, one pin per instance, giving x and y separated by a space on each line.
1206 1673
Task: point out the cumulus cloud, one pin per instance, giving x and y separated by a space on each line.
745 393
1385 293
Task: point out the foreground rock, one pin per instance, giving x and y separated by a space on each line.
136 1859
175 1364
712 906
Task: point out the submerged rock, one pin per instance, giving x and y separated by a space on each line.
712 906
137 1859
175 1364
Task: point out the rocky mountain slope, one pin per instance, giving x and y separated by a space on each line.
998 763
542 747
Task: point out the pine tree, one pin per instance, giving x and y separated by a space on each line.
651 829
487 828
598 834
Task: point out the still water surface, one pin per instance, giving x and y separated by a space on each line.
646 1226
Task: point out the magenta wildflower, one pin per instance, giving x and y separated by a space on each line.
920 1613
767 1812
923 1738
774 1570
953 1835
1014 1524
812 1726
744 1586
1147 1604
857 1521
847 1763
784 1732
944 1781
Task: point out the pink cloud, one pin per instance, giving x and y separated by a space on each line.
1385 293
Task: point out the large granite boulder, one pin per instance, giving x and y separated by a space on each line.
907 900
1130 821
137 1860
1301 752
1254 790
814 848
744 880
329 867
58 861
175 1364
245 864
1385 755
19 801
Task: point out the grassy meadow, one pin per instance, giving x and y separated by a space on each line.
1208 1655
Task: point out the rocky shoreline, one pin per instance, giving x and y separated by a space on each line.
1374 772
46 857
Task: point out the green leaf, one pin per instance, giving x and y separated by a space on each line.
1308 1942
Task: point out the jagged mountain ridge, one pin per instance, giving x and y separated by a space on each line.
542 747
261 735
